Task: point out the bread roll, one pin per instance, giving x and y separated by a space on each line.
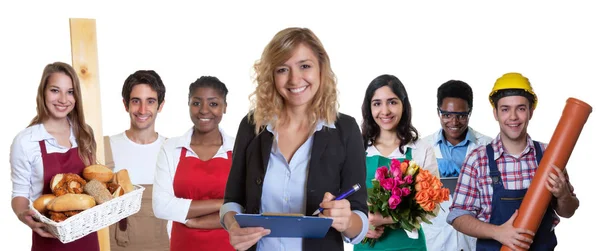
124 181
55 180
118 192
98 172
64 183
97 190
71 202
40 203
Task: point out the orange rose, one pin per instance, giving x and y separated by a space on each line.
403 167
422 197
437 184
428 206
445 194
424 185
423 175
432 194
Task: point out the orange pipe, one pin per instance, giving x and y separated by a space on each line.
537 198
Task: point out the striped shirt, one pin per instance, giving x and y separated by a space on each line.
473 194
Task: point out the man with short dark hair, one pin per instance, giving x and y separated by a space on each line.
136 150
451 144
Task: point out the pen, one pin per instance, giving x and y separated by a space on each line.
341 197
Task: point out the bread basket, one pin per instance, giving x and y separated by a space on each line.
95 218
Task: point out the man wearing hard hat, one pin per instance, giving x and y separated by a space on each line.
495 177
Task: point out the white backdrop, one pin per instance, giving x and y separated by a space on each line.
424 44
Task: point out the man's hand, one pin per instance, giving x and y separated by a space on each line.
512 237
557 183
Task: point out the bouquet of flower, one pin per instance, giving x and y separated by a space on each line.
407 193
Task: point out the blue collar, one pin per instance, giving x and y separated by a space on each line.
470 137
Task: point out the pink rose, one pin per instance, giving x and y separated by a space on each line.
388 184
405 191
396 191
380 173
399 180
395 168
394 201
408 179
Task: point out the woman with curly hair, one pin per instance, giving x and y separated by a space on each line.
388 134
294 151
56 141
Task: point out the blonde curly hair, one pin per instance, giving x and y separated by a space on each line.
266 104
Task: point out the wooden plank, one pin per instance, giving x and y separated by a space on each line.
84 54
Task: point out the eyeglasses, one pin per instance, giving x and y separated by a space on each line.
460 116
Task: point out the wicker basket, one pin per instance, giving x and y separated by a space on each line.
95 218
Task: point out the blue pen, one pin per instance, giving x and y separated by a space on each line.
341 197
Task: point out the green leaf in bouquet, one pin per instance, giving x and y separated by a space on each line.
395 216
370 191
406 225
369 241
424 219
376 184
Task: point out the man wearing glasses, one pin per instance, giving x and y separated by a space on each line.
451 144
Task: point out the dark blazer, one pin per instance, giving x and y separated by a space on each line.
337 163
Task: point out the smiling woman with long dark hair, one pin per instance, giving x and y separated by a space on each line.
388 134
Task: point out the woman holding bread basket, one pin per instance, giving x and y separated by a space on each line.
57 141
192 170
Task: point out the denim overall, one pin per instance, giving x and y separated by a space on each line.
504 204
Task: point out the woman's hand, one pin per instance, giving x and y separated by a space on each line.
338 210
26 216
376 220
375 233
244 238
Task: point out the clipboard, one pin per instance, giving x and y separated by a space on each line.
450 183
282 225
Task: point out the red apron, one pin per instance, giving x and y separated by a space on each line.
200 180
55 163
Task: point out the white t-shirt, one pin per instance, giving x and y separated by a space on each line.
138 159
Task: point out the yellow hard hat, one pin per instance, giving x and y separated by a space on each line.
513 80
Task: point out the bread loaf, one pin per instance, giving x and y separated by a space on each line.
40 203
124 181
98 172
71 202
97 190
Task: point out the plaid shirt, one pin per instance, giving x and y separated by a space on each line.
473 194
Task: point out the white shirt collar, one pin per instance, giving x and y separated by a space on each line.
39 133
186 139
319 126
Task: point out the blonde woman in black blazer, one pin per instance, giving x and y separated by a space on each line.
294 151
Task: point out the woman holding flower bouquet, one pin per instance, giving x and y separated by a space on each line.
392 141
